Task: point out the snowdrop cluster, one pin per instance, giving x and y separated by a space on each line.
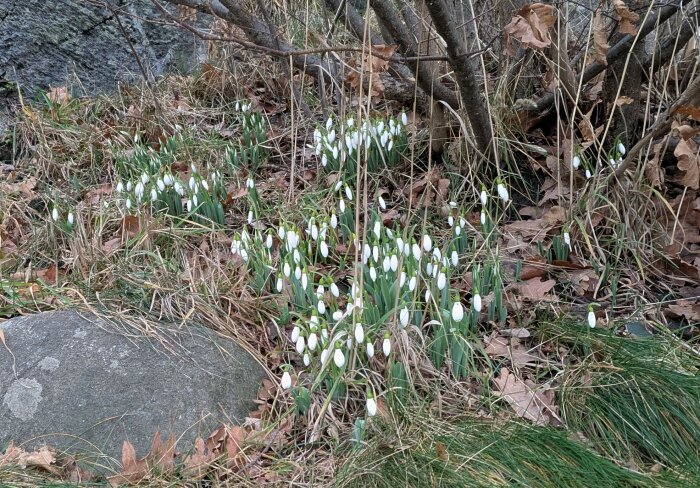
614 159
342 145
250 151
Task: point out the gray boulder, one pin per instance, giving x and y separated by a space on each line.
84 385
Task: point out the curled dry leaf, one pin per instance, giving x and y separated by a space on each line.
652 168
528 400
530 26
534 289
627 18
600 39
511 348
688 161
370 69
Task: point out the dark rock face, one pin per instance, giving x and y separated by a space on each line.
84 385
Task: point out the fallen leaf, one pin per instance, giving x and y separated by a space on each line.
133 470
626 17
370 70
534 289
600 39
59 95
687 153
528 402
510 348
690 309
530 26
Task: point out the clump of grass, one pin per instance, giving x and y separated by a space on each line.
472 452
634 400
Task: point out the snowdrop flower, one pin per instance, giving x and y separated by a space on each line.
382 203
457 311
339 357
403 317
477 300
191 183
588 174
375 254
120 187
576 162
502 192
54 213
205 185
386 345
128 203
301 344
334 290
321 307
268 241
313 321
373 273
287 270
386 264
394 263
369 348
454 257
160 184
138 191
612 162
329 124
427 243
335 152
331 137
286 382
307 359
371 406
567 240
483 218
145 178
359 333
416 251
429 268
244 255
249 183
483 197
324 160
348 192
427 295
377 229
348 343
304 281
334 220
591 317
129 186
324 356
154 195
250 213
168 179
71 219
297 273
280 284
450 220
441 281
337 315
458 229
313 341
314 232
404 118
179 189
402 279
390 146
341 205
324 249
412 283
621 149
296 333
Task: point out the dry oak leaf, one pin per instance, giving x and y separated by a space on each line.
530 26
688 161
511 348
528 401
534 289
686 308
626 17
133 470
370 69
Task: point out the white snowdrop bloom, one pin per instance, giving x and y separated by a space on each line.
382 203
120 187
621 149
71 219
205 185
195 202
313 322
386 264
168 179
612 162
457 311
576 162
335 152
450 220
412 283
348 142
402 279
324 160
301 344
371 407
154 195
334 220
375 253
462 222
314 232
390 146
454 258
407 249
324 356
502 192
192 183
348 192
429 268
317 136
160 184
394 262
324 249
280 284
341 205
313 341
384 138
307 359
427 295
567 240
416 251
380 126
268 241
321 307
238 107
297 273
320 291
373 273
286 382
588 174
403 317
591 317
369 348
296 256
250 213
436 270
399 243
404 118
339 358
377 229
128 203
483 218
476 301
281 233
386 346
296 333
304 281
145 178
427 243
334 290
287 270
138 191
359 333
129 186
337 315
348 343
329 123
244 255
350 122
441 281
437 254
484 198
54 212
331 137
458 230
179 189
